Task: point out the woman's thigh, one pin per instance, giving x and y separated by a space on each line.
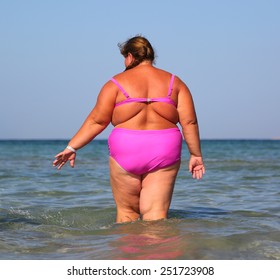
126 189
156 193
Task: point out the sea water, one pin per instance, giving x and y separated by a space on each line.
233 213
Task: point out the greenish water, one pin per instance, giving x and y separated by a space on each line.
233 213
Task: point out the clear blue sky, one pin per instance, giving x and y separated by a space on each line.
55 55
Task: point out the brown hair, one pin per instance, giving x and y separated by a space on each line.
140 48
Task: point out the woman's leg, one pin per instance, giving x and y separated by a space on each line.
156 193
126 189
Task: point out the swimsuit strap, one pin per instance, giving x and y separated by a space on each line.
171 85
120 87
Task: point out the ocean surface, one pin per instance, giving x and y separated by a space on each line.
232 214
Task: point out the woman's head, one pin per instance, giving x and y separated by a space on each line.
140 48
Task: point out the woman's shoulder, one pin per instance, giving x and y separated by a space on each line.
152 72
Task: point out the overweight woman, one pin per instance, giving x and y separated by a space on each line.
144 104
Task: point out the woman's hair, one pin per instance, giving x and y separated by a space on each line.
140 48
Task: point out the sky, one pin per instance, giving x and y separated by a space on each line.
56 55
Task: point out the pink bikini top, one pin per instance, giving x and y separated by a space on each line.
128 99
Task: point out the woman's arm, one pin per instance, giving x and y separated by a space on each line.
98 119
189 124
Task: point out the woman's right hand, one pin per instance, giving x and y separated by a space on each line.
196 167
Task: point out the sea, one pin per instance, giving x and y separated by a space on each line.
233 213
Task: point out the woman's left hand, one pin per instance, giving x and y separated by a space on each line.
63 157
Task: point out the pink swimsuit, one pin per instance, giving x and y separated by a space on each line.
166 99
142 151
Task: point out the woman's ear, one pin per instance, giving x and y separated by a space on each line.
129 59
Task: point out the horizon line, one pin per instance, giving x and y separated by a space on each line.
102 139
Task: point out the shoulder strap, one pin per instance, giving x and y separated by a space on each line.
120 87
171 85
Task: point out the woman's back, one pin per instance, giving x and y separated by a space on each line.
146 99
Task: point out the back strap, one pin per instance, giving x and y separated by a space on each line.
171 85
120 87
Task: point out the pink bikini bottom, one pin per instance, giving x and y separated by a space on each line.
142 151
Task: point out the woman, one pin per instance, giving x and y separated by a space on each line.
144 104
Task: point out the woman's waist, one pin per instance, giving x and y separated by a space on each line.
146 124
159 131
145 118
